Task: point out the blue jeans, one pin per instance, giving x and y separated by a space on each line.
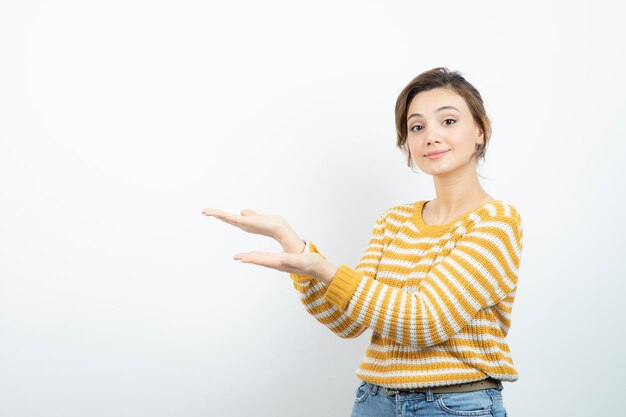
376 401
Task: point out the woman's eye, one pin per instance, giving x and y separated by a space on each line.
416 128
449 120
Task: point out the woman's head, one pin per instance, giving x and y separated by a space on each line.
442 84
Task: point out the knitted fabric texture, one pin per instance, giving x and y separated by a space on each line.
437 297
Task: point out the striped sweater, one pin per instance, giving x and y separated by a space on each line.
437 297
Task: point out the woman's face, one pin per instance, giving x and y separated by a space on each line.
440 121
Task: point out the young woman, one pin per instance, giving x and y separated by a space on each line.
438 279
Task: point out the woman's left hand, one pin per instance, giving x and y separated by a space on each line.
311 264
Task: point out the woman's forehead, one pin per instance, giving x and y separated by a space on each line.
436 99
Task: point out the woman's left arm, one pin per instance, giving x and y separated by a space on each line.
478 273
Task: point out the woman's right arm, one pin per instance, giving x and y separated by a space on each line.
312 290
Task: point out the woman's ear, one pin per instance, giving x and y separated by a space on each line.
480 138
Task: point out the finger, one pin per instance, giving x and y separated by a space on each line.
256 256
226 217
248 212
269 260
283 262
215 212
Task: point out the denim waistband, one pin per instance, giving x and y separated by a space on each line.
427 392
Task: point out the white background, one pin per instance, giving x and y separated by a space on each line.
120 120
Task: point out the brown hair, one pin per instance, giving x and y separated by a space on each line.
444 78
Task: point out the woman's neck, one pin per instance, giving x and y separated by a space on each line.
457 193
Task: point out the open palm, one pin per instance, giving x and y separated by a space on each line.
292 260
252 222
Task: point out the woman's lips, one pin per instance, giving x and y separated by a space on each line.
435 154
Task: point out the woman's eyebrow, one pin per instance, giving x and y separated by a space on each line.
439 109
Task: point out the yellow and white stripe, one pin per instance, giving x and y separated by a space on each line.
438 298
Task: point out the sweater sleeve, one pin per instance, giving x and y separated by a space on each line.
481 270
312 290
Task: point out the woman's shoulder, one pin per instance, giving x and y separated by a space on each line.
399 212
499 208
497 215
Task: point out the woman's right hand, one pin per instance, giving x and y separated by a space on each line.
270 225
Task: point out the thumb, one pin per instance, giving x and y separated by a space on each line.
248 212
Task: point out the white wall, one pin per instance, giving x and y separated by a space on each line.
121 120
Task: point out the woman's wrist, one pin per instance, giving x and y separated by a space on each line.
291 242
326 272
